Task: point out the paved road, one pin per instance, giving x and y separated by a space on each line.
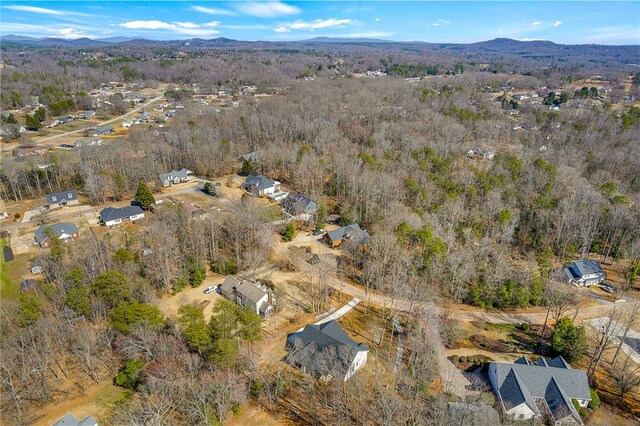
9 147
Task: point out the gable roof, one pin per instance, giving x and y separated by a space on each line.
56 197
70 420
553 380
252 156
114 213
586 267
173 174
298 203
323 349
259 182
58 229
522 360
246 288
352 232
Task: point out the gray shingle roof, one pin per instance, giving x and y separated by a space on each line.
57 197
114 213
554 380
323 349
296 204
173 174
352 232
246 288
58 229
70 420
258 182
586 267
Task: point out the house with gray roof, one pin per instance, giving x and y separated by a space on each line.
70 420
64 231
254 156
174 177
61 199
325 351
246 293
260 186
351 233
298 204
112 216
88 141
542 390
584 272
101 131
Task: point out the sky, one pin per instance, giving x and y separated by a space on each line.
574 22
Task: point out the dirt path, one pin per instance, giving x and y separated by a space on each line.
194 296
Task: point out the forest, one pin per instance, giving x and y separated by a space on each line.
390 154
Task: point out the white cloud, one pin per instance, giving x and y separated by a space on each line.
185 28
72 33
42 10
377 19
557 23
247 27
212 11
313 25
536 23
440 22
267 9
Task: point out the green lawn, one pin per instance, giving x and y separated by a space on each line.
10 275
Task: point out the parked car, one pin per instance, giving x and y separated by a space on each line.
209 289
318 231
609 288
66 145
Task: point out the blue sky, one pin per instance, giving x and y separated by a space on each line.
454 21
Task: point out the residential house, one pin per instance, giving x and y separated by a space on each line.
61 199
27 285
28 151
71 420
112 216
543 390
298 204
62 120
481 153
175 177
325 351
584 272
245 293
88 141
86 115
64 231
101 131
252 156
351 232
127 123
260 186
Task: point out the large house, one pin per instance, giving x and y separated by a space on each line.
584 272
260 186
61 199
64 231
252 156
88 141
70 420
351 232
325 351
245 293
298 204
174 177
101 131
112 216
543 390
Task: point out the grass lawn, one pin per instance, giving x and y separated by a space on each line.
10 275
271 213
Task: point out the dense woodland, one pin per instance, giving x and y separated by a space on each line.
386 153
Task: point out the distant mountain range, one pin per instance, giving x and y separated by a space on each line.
501 45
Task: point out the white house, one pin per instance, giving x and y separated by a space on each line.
174 177
112 216
544 389
326 351
245 293
584 272
61 199
261 186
